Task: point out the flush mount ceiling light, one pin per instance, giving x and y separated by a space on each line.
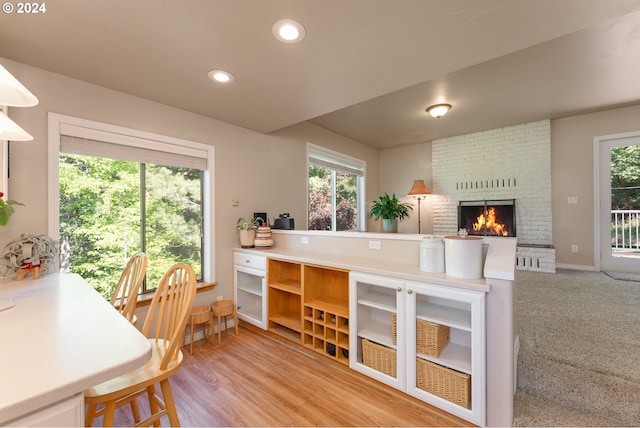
221 76
288 31
438 110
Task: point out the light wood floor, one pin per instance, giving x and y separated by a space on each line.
259 379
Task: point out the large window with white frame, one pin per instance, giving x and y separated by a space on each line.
335 190
120 191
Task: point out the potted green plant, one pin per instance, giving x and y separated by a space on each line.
247 231
390 209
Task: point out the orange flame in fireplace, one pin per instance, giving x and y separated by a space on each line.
490 223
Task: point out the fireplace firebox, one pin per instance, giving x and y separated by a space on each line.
488 218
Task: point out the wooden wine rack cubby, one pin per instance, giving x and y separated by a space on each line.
326 330
310 305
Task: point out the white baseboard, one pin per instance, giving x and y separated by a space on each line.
575 267
516 349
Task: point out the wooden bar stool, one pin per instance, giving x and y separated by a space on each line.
224 308
200 315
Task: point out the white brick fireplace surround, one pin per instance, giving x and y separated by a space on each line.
504 163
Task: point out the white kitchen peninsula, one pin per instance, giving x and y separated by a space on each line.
59 338
396 257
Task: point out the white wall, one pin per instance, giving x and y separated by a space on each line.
308 132
571 173
399 167
572 168
266 172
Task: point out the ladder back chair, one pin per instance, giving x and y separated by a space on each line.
164 326
125 297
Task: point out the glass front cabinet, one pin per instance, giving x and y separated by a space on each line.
424 339
249 280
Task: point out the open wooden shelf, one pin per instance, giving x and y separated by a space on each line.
290 286
285 298
310 304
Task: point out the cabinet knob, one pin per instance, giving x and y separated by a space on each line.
410 291
247 261
399 288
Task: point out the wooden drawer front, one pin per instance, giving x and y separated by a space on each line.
250 260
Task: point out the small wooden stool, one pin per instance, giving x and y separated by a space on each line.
200 315
24 272
224 308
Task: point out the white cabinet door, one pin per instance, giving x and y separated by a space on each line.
451 374
250 287
439 345
66 413
374 302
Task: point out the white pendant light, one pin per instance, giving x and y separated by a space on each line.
13 93
9 130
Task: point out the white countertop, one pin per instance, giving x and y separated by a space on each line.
405 271
60 338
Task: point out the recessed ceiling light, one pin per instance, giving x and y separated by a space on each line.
438 110
221 76
288 31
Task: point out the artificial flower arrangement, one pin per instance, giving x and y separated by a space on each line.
6 209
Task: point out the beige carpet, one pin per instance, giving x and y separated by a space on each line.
624 276
579 360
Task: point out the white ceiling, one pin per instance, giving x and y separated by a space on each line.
367 69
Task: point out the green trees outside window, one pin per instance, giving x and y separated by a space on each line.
625 178
109 209
323 207
625 196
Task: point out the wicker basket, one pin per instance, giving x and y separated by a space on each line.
444 382
431 338
394 328
379 357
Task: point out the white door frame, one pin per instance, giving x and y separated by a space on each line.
598 142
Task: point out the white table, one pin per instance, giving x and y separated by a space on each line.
58 339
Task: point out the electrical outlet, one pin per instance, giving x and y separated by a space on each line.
375 245
572 200
574 249
219 298
304 239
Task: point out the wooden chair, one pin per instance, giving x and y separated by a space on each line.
166 320
124 298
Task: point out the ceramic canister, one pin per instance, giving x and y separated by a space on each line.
463 256
264 238
432 255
